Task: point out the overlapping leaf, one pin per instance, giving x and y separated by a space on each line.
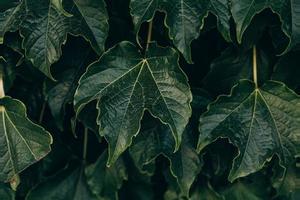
68 184
22 142
155 140
67 72
45 29
44 26
260 122
288 11
232 66
106 181
288 185
6 192
287 69
10 19
245 190
125 84
184 18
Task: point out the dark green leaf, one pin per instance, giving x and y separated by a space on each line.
10 19
232 66
243 12
260 122
45 29
6 193
126 84
288 186
106 181
67 72
287 69
22 142
156 139
69 184
245 191
184 18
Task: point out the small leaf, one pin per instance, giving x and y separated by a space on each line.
156 139
246 191
10 19
106 181
232 66
68 184
205 192
184 18
45 29
288 186
67 71
287 69
125 84
6 193
22 142
59 6
260 122
7 70
243 12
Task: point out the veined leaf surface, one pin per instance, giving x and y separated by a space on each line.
125 84
260 122
22 142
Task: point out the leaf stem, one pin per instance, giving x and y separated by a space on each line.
2 93
42 112
85 143
149 35
254 67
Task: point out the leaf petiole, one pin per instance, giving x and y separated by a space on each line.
149 35
85 142
254 67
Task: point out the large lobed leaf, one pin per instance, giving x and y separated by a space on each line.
125 84
288 11
22 142
260 122
184 18
44 27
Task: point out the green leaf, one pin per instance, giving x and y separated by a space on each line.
156 139
91 21
68 184
67 72
246 191
233 65
106 181
22 142
184 18
7 70
260 122
45 29
10 19
287 69
288 186
125 84
205 192
6 193
288 11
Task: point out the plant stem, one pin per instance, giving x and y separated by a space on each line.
149 35
85 143
2 93
254 67
42 112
